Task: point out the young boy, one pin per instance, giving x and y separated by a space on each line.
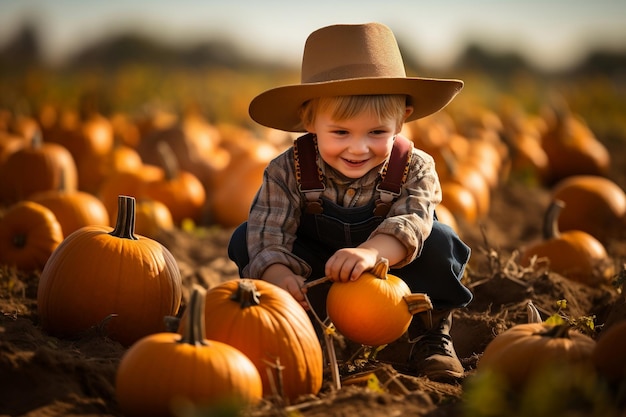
352 190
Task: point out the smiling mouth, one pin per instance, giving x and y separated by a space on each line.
354 162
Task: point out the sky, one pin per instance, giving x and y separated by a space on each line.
550 33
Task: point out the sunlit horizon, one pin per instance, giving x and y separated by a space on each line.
551 34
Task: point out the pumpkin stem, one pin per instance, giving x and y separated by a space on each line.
125 223
418 303
558 331
247 295
195 332
168 159
551 220
37 140
381 268
450 161
63 181
19 240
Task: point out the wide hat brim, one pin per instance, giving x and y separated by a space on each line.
347 60
279 107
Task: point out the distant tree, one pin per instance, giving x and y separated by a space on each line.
23 49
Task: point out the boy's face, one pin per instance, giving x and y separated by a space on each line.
353 146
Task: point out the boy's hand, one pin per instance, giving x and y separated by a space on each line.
350 263
282 277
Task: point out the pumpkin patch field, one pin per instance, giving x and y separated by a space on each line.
118 298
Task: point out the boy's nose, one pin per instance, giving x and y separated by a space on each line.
358 146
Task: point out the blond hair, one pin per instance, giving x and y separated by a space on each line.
385 107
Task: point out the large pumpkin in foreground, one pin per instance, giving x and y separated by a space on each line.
519 353
376 309
268 325
164 373
98 273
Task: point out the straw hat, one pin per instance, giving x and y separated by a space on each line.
341 60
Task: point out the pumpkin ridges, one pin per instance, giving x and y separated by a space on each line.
75 294
39 229
522 350
593 204
37 167
73 209
276 329
575 254
373 296
189 368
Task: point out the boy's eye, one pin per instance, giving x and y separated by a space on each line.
340 132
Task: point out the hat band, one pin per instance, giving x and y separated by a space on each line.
355 71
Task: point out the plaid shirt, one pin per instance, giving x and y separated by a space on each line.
275 213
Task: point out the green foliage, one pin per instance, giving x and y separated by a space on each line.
584 324
556 391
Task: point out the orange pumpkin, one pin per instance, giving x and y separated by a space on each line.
82 135
29 234
376 309
126 183
98 272
94 168
194 142
228 208
593 204
163 372
25 126
38 167
181 191
272 329
519 353
530 162
574 254
152 218
470 177
125 130
608 354
459 201
10 143
572 148
73 208
484 155
445 216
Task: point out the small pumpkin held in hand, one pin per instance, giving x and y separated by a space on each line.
162 372
520 352
376 309
98 273
268 325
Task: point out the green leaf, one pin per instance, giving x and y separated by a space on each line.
555 320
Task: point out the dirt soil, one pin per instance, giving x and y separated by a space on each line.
42 375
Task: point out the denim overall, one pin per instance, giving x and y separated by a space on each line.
437 272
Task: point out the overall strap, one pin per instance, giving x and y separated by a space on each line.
311 181
308 173
394 174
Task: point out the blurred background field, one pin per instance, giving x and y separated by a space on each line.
140 55
544 99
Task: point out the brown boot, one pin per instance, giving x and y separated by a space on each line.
432 354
